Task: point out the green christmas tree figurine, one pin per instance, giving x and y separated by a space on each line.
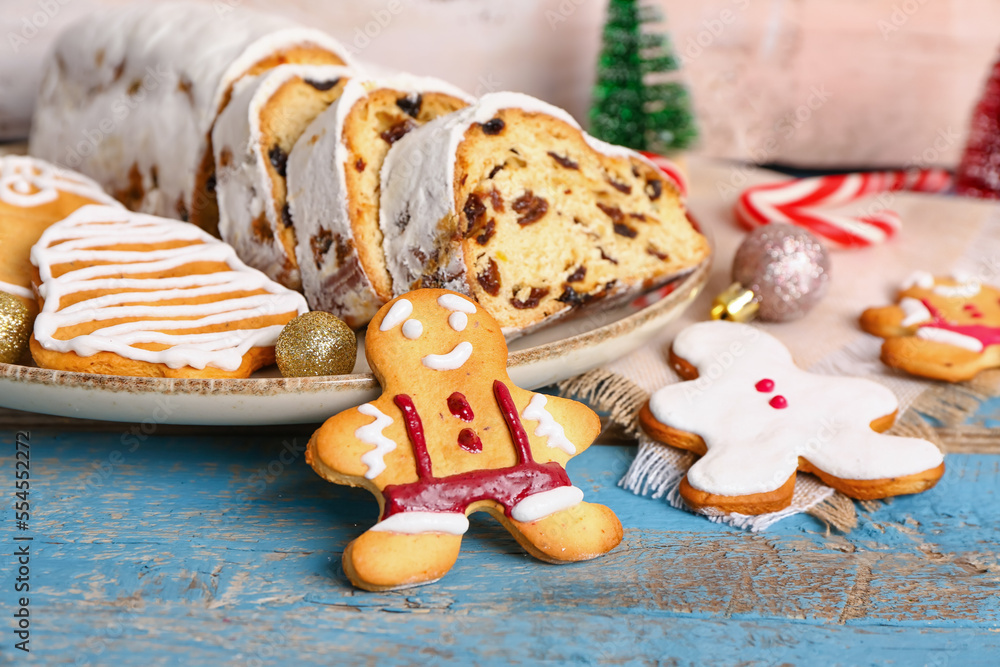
638 100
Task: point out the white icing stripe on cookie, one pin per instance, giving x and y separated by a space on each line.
458 321
451 361
964 290
545 503
416 523
397 314
412 329
754 444
16 290
372 434
950 338
80 237
456 303
27 182
547 427
914 311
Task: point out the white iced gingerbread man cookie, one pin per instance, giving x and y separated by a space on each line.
756 418
452 435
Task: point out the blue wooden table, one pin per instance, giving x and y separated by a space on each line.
219 546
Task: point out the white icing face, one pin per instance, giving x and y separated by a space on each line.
456 303
400 310
458 321
412 329
449 312
451 361
758 413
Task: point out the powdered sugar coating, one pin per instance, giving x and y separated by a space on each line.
142 85
418 179
318 199
753 447
245 185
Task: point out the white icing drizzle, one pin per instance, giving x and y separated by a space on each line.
244 185
319 199
754 448
142 85
457 303
963 290
541 505
547 427
458 321
451 361
416 523
914 311
372 434
400 310
950 338
17 290
28 182
412 329
78 239
921 279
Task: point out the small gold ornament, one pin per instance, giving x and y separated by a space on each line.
15 328
316 343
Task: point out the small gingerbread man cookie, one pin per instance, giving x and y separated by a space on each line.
756 418
941 328
451 435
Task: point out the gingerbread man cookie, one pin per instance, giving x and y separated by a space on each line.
451 435
755 419
941 328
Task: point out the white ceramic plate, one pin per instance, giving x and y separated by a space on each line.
558 352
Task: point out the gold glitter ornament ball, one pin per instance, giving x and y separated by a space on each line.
15 328
316 343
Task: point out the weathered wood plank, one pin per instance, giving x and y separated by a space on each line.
229 546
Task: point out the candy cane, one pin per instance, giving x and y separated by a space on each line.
670 170
800 201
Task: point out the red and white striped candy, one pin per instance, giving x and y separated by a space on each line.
800 202
670 170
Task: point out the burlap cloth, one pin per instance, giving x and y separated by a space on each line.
940 234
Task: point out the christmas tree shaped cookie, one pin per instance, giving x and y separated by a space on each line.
756 419
451 435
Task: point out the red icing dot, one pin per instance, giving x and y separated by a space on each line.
459 406
469 441
765 386
778 402
972 310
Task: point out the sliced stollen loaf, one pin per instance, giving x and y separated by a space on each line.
510 202
252 139
333 185
129 96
